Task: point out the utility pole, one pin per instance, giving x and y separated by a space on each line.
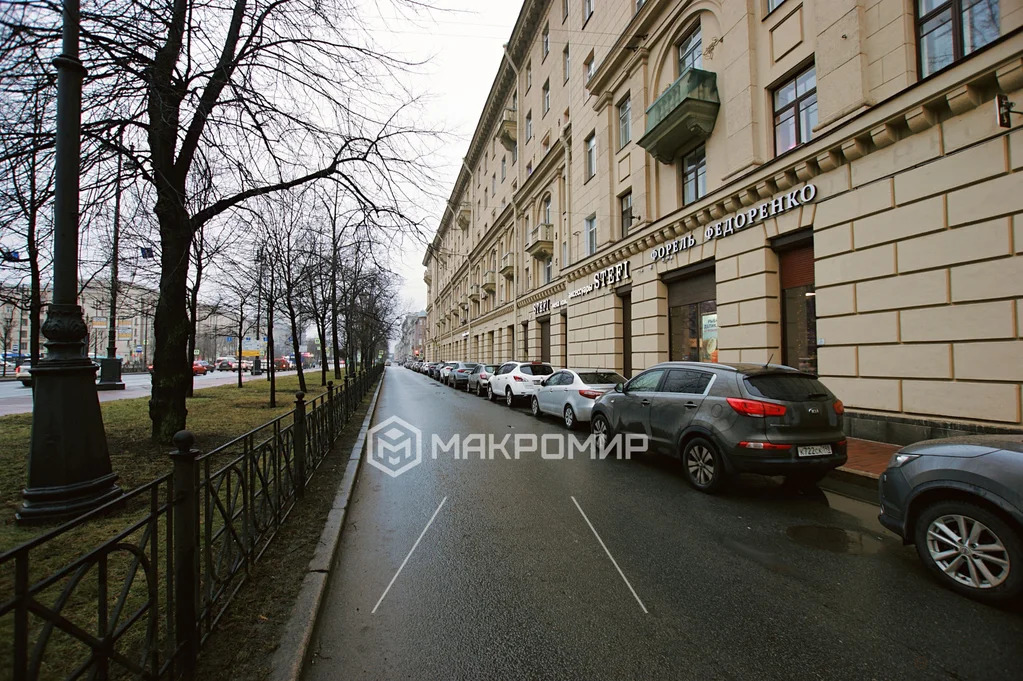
69 469
110 367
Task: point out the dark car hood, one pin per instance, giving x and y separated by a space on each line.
967 446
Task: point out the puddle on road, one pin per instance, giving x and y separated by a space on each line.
835 539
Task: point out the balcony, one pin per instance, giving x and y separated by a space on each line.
490 281
508 266
682 116
474 292
506 130
427 277
464 217
463 301
541 241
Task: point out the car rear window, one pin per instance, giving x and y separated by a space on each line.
792 387
600 377
537 369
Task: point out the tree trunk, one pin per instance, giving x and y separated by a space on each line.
172 374
296 342
241 332
272 355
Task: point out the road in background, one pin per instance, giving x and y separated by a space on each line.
514 577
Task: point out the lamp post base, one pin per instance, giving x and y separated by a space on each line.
69 471
110 374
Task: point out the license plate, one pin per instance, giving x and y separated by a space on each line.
814 450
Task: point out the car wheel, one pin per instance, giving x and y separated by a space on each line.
703 466
509 397
490 392
467 387
569 417
601 430
534 406
971 550
479 390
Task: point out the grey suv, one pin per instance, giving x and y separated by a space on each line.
722 419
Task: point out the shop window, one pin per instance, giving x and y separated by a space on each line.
692 317
949 30
694 175
798 308
795 111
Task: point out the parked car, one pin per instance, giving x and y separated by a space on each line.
445 370
517 380
458 375
960 501
570 393
723 419
479 378
199 368
23 373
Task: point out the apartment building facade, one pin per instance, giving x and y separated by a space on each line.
823 184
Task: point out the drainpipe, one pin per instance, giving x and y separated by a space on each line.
472 219
515 213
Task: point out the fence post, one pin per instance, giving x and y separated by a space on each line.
300 444
186 553
348 395
330 411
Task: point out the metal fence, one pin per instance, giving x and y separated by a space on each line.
141 602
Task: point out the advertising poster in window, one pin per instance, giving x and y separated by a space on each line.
709 337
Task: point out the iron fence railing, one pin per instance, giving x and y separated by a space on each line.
143 599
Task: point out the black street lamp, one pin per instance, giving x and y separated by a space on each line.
110 367
69 469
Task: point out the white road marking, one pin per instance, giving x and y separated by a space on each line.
408 556
613 561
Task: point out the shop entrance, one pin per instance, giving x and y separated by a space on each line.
692 314
798 307
545 339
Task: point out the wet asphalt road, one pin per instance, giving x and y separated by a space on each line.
510 582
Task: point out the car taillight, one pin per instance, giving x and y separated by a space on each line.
591 394
756 407
839 407
484 375
763 445
519 379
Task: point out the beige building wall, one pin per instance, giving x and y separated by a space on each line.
917 222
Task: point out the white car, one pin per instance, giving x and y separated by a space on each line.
570 393
517 380
23 373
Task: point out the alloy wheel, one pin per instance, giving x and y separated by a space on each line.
700 465
602 431
490 392
968 551
534 405
569 417
509 398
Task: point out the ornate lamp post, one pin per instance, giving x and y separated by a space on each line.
69 468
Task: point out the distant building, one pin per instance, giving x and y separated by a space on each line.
412 343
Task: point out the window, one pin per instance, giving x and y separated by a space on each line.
646 382
493 184
694 176
546 96
515 153
564 254
690 52
546 40
529 126
504 168
689 381
948 30
795 111
547 270
625 203
529 76
547 211
639 4
798 308
590 66
591 155
587 10
564 10
773 5
591 234
566 63
624 122
529 168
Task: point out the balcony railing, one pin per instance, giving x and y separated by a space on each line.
508 265
684 115
490 281
541 241
474 292
506 131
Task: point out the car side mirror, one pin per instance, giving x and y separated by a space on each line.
619 387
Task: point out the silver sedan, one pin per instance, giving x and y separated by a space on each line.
570 393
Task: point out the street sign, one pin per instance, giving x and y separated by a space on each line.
230 338
138 348
195 352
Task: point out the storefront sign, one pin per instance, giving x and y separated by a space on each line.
741 220
607 277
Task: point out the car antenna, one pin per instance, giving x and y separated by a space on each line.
769 360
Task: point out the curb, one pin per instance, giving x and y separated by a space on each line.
850 482
290 657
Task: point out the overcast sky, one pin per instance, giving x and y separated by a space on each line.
464 45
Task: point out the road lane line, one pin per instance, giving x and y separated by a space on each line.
408 556
613 561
